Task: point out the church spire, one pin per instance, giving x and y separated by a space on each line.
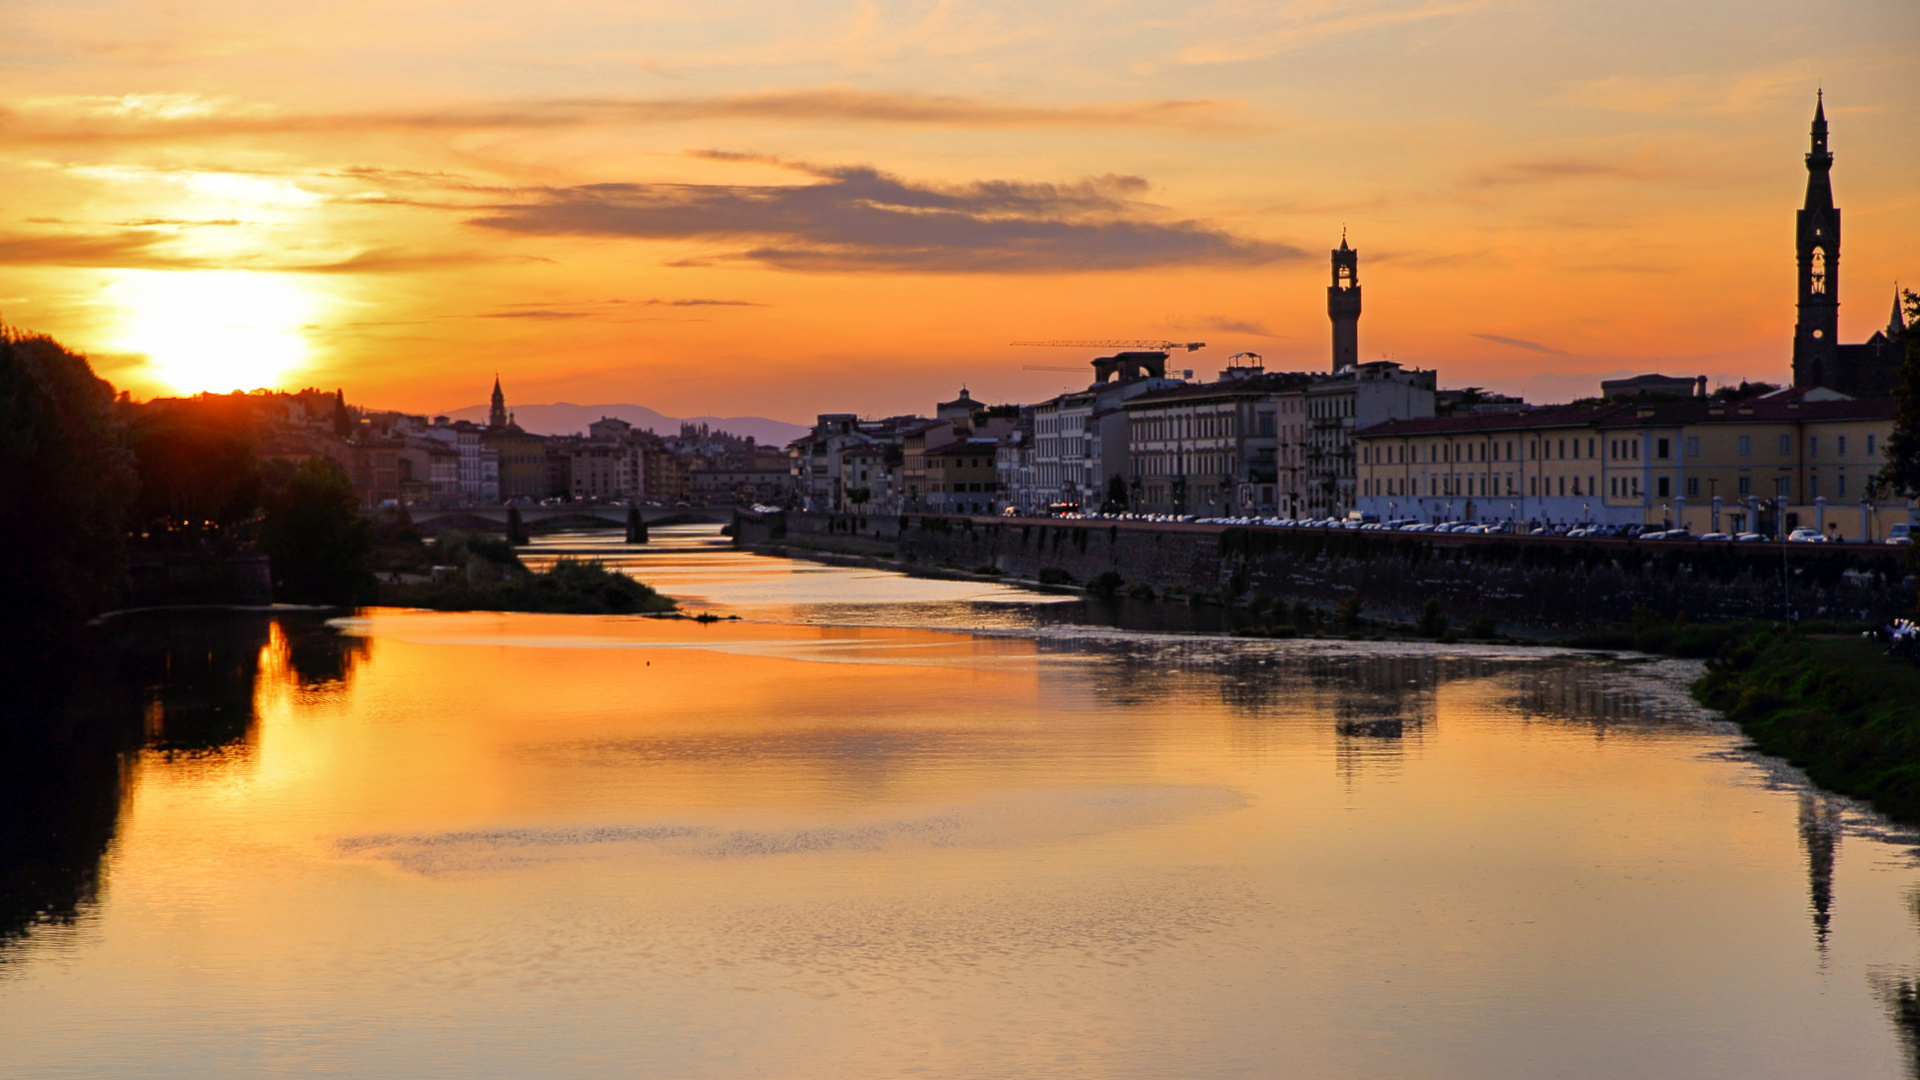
497 416
1898 324
1815 348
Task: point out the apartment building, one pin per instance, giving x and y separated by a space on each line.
1785 460
1207 450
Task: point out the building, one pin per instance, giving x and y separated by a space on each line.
524 472
1080 439
1646 386
1780 461
739 483
1357 397
1542 465
962 477
1208 450
1819 360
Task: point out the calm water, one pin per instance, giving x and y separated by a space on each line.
889 827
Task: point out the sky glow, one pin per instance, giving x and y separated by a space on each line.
800 207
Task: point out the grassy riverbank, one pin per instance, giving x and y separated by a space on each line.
1831 704
568 588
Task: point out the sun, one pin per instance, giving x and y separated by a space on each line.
215 330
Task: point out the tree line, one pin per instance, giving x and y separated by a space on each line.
88 477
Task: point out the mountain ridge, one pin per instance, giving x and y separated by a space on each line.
567 418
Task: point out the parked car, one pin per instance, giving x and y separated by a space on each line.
1900 534
1715 536
1806 536
1749 537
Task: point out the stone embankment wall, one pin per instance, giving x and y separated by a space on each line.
1536 584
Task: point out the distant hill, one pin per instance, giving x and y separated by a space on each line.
566 418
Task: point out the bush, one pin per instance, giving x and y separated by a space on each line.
1350 613
1140 590
570 587
1432 622
1302 615
1484 627
1053 575
1105 583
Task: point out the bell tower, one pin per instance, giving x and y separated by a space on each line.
497 416
1343 305
1815 333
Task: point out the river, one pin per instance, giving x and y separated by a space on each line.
881 826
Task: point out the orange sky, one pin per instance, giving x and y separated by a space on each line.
788 208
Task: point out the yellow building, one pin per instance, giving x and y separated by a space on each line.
1710 466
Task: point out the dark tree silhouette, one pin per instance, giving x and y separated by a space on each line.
66 479
317 539
1901 473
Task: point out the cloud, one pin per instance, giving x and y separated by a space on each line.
1225 325
1519 343
858 218
91 120
1694 93
541 313
1553 170
125 249
1305 22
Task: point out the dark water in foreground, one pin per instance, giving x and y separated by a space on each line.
891 827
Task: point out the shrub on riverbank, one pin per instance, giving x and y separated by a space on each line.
568 588
1835 706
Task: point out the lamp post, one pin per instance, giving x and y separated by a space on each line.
1820 514
1866 520
1716 514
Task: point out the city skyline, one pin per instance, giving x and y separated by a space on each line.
797 210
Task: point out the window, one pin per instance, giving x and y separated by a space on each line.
1563 485
1783 486
1663 448
1563 449
1840 482
1813 446
1693 487
1840 445
1746 485
1745 447
1786 445
1266 423
1869 446
1693 446
1663 487
1589 447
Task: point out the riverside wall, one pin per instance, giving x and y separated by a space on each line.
1540 585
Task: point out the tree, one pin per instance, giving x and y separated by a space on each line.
1900 475
1116 502
66 479
316 537
198 470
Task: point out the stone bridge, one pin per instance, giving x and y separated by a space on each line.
587 515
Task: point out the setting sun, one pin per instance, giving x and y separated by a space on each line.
214 330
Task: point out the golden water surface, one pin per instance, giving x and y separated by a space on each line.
887 827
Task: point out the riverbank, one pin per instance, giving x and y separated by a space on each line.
1833 705
567 588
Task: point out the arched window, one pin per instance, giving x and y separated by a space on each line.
1817 279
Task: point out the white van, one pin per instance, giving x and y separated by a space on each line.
1900 534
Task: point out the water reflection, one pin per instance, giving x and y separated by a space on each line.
1820 828
493 844
163 689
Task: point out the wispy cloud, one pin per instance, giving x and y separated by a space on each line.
1554 170
1521 343
91 120
1692 93
1295 25
858 218
1225 325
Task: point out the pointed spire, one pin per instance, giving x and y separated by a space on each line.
1897 324
1343 237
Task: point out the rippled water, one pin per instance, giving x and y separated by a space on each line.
883 826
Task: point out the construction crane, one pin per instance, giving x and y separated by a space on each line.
1163 346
